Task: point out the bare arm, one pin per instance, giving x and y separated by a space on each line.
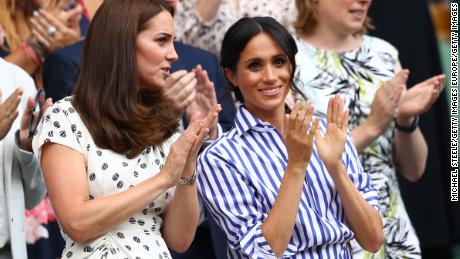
278 227
410 149
179 230
364 220
83 219
383 109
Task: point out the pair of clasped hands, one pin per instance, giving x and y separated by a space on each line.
193 93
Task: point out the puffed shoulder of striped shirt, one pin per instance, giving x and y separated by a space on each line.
239 178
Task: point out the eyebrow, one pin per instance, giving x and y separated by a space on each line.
259 59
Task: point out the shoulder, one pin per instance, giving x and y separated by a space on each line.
379 44
220 146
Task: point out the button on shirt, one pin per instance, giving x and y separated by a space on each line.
239 178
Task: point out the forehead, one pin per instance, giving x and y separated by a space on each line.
163 21
262 45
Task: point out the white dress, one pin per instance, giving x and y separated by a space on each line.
109 173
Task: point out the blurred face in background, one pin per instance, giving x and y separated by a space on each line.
155 51
342 16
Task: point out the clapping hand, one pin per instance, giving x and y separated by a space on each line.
9 111
182 155
386 101
331 146
205 101
419 98
181 88
297 136
55 29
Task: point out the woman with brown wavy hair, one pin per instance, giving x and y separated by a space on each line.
121 179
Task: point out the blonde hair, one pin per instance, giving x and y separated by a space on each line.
307 18
14 21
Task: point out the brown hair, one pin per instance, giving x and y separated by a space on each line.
119 115
307 18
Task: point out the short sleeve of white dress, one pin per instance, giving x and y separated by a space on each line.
58 125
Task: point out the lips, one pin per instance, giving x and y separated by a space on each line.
166 70
358 12
271 91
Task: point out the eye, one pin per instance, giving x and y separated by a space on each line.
254 66
162 40
279 61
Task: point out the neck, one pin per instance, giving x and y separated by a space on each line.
91 7
326 37
274 117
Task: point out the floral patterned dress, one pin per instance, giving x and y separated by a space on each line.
109 173
357 75
208 35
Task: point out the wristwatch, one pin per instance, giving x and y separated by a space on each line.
188 181
408 129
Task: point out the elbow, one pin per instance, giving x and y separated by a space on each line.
180 246
417 172
374 242
75 231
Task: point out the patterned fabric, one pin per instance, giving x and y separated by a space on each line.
109 173
208 35
239 178
356 75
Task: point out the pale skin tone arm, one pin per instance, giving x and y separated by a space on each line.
383 108
364 220
83 219
279 224
410 150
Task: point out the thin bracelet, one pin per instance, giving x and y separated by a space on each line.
408 129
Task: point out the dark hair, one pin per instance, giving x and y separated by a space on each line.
239 35
119 115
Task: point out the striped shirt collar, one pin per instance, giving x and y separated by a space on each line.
246 121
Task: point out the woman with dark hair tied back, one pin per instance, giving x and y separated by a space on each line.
119 175
282 183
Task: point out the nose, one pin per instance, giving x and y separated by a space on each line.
171 55
269 75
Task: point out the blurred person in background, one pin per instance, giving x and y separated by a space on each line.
203 23
30 30
336 56
21 182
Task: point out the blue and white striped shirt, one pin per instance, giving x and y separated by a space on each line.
239 178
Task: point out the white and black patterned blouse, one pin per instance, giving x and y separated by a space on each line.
109 173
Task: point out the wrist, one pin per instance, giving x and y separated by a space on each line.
406 125
336 170
22 141
372 129
296 168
